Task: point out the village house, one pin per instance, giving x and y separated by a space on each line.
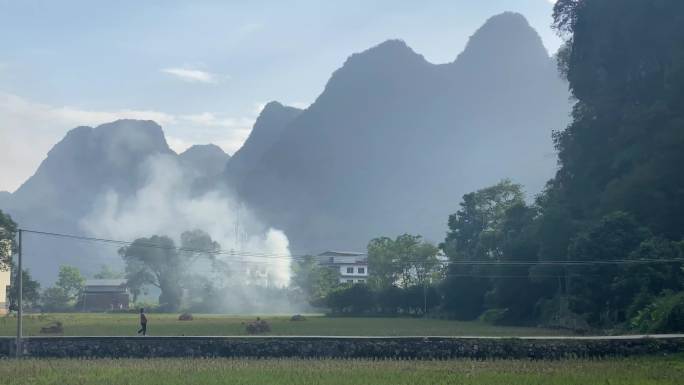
352 266
105 295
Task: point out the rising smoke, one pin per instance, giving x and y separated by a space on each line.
255 254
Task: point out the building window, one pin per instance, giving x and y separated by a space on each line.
350 281
362 270
350 270
361 281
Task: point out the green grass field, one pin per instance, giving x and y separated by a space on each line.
632 371
85 324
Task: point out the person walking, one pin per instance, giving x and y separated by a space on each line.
143 322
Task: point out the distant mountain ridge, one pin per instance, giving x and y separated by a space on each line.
268 128
83 167
394 141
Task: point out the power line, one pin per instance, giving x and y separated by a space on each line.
162 247
253 254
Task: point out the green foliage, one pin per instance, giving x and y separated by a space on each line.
617 195
391 300
55 299
382 269
30 290
665 314
614 237
484 230
70 281
354 299
63 296
406 260
493 316
619 188
8 231
312 280
473 230
625 66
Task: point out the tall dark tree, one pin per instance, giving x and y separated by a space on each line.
475 236
155 261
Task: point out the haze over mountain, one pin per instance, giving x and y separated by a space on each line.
268 128
86 166
5 196
394 141
206 160
389 147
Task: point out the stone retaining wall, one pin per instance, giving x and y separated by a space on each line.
337 347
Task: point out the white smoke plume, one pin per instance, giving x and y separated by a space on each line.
167 205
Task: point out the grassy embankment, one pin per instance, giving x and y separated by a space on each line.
76 324
632 371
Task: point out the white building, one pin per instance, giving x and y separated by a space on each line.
352 266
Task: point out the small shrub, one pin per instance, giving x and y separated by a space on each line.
665 314
556 314
185 317
493 316
257 327
52 328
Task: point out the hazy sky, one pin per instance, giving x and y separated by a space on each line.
202 69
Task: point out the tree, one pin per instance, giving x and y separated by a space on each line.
425 263
638 285
512 291
313 280
155 261
158 262
8 231
406 260
197 244
55 299
473 231
381 262
64 294
353 299
30 290
70 281
389 299
476 235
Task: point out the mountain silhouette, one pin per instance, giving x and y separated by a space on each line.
86 165
393 142
272 120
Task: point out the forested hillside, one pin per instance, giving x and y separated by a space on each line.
615 208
